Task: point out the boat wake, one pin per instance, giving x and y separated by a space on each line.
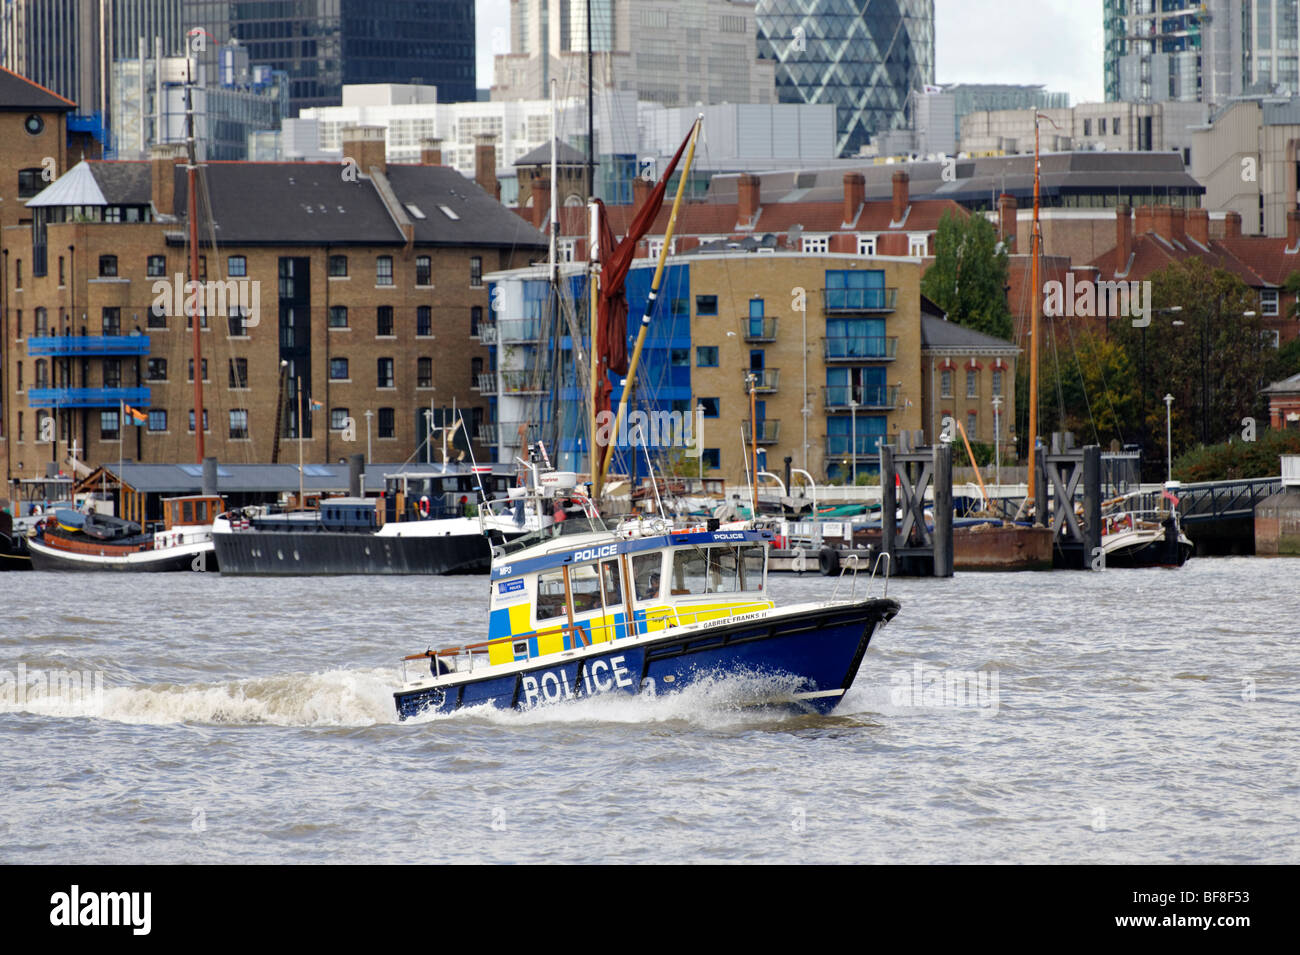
710 701
360 698
329 699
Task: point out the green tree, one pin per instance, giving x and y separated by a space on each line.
1210 354
1089 388
969 275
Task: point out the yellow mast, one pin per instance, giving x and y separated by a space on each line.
629 385
1034 291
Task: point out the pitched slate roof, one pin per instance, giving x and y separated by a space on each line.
565 155
1287 386
98 183
942 335
311 203
19 94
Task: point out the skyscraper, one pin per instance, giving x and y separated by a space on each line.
672 52
1200 50
865 56
69 46
324 44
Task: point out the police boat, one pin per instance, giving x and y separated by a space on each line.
579 610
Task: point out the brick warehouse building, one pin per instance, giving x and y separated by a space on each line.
362 279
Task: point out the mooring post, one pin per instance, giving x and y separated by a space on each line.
943 510
1040 488
888 504
1091 503
209 479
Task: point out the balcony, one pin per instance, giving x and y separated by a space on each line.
88 345
861 349
487 333
841 445
56 398
853 301
522 383
871 398
517 330
760 329
766 381
487 434
510 431
486 383
769 431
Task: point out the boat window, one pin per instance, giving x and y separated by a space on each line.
752 559
689 572
187 512
717 570
724 570
550 596
646 570
612 582
585 587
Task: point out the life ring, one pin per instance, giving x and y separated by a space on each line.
828 560
423 506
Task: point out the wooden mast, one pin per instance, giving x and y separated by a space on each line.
1034 291
195 288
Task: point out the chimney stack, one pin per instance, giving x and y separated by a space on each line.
855 193
900 196
1007 219
641 189
1178 223
485 164
163 160
1163 221
365 145
1292 228
1232 225
431 151
1142 220
1123 238
1198 225
541 190
747 193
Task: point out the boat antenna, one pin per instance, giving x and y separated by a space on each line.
654 479
753 501
478 478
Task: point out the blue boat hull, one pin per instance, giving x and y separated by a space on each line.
815 654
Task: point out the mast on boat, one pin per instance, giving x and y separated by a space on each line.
630 384
1035 238
191 177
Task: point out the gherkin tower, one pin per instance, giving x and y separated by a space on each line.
865 56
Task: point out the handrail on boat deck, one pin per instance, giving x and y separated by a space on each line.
852 560
582 628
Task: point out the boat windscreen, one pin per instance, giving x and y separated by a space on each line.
573 525
722 569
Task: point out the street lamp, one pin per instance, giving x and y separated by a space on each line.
368 455
853 437
997 441
1169 440
699 439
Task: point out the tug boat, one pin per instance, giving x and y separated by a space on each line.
580 610
71 540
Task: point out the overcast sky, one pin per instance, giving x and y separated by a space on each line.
1054 42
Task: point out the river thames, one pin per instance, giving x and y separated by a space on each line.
1124 716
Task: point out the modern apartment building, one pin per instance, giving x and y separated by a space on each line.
832 346
671 52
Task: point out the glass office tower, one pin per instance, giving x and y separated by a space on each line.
865 56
